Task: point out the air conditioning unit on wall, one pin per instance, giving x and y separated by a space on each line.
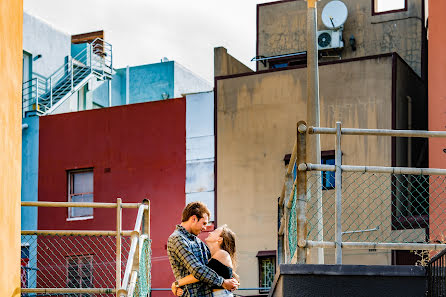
329 39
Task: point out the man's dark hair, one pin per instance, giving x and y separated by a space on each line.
195 208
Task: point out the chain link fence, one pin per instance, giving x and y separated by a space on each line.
143 284
372 207
67 261
85 263
379 207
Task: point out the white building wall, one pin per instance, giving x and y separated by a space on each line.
200 154
187 82
42 38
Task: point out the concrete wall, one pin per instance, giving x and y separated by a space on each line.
282 30
437 106
137 151
42 38
11 25
225 64
187 82
256 127
200 151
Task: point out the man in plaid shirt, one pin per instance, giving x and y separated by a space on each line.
189 255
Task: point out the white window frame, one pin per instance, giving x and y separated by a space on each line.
376 12
70 175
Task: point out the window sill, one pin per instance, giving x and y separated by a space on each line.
80 219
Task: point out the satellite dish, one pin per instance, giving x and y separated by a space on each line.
334 14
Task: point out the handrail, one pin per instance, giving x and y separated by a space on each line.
50 90
131 268
79 204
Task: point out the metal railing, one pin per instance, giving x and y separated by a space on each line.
436 275
359 207
45 94
87 261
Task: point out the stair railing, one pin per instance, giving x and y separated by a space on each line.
96 58
101 252
137 269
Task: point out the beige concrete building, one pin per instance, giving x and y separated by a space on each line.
281 29
257 112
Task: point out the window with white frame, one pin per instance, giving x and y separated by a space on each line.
80 189
80 272
387 6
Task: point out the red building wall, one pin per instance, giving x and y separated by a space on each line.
437 114
137 151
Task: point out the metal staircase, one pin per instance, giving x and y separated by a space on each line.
44 95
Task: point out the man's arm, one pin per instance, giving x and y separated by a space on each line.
192 264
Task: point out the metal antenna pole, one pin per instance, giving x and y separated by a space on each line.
313 115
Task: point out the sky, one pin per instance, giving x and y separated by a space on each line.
145 31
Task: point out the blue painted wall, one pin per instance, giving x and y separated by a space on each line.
149 82
100 94
30 157
81 52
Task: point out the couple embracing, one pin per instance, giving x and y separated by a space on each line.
202 270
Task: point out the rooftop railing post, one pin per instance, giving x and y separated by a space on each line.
118 244
72 74
313 113
51 90
338 186
301 188
37 90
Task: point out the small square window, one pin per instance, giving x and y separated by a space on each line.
388 6
328 177
80 189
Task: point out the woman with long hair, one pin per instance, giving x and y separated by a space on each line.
221 243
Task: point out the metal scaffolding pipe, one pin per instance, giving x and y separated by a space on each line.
78 204
375 169
378 132
75 232
377 245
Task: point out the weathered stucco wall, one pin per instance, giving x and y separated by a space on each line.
11 24
225 64
282 30
256 127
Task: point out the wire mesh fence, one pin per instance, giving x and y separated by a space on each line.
143 284
62 261
379 207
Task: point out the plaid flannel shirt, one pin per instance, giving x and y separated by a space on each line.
189 255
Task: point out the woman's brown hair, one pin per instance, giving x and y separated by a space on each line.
228 243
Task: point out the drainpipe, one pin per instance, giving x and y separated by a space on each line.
24 126
313 149
109 93
127 89
409 152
